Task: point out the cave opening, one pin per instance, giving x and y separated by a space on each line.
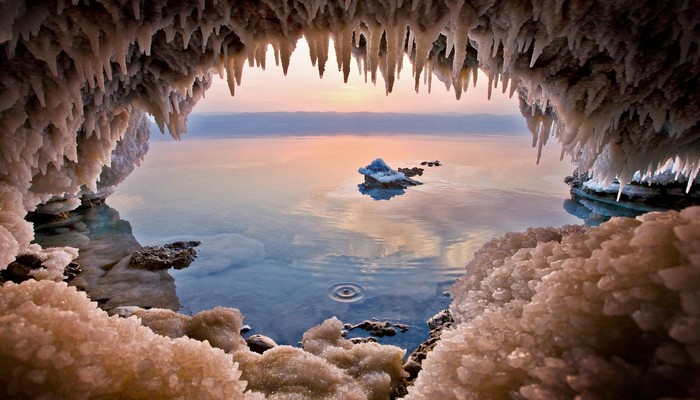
542 313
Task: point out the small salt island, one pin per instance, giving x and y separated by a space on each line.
382 182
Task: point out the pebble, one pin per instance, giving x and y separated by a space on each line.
259 343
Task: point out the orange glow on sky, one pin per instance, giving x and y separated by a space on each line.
303 90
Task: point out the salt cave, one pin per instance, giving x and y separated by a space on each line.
597 312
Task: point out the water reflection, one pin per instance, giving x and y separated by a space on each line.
106 242
380 194
595 209
281 221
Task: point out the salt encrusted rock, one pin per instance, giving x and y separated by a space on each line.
176 255
378 175
441 320
260 343
359 340
382 182
436 323
320 370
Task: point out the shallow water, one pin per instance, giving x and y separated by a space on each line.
289 240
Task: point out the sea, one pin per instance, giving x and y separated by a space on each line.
289 239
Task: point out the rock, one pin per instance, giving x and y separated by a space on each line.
437 323
41 218
358 340
412 368
439 320
259 343
21 269
594 202
379 175
177 255
411 172
124 311
245 329
71 271
378 328
382 182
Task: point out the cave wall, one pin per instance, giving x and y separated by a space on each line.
615 82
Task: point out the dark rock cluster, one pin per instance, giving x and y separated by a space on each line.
177 255
20 270
378 328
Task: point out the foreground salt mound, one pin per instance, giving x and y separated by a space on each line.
328 366
607 312
55 343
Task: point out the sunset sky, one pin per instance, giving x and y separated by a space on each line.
303 90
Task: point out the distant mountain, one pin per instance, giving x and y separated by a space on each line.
361 123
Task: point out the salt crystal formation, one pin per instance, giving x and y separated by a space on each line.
606 312
328 367
615 82
55 343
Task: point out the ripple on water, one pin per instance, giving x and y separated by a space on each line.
347 292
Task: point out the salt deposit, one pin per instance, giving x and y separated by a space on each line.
615 82
601 312
55 343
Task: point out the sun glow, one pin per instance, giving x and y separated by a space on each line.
302 90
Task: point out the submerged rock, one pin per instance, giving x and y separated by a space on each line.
177 255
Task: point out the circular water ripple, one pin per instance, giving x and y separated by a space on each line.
347 292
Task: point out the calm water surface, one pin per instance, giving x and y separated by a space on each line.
282 222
